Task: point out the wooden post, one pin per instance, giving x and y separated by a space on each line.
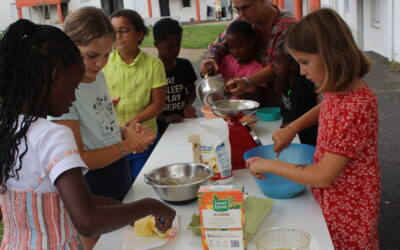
281 4
19 10
198 17
59 11
298 9
149 8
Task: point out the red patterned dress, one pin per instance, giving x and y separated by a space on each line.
348 126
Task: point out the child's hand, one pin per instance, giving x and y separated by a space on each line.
164 216
115 101
189 112
282 138
256 166
236 86
139 137
173 118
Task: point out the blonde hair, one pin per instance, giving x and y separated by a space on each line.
325 33
86 24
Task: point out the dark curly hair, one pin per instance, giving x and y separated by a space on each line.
164 27
241 27
28 55
134 18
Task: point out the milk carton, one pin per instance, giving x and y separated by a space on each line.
222 217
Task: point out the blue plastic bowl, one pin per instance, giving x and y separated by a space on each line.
269 113
276 186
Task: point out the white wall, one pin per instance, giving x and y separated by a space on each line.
184 14
377 39
75 4
6 17
352 14
396 28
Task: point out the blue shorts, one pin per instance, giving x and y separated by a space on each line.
137 161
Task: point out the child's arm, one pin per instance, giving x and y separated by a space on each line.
284 136
155 107
102 157
321 175
93 220
189 111
238 86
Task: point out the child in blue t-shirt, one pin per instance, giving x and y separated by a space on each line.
181 91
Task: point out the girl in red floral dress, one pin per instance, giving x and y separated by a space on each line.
345 176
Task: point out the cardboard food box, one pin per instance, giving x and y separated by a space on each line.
222 217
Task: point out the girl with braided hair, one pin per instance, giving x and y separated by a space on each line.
44 197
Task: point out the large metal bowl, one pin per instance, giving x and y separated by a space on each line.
211 89
234 107
178 183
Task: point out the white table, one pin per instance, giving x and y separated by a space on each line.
302 211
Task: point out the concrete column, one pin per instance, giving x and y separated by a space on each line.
59 11
315 5
298 9
19 10
281 4
198 17
149 8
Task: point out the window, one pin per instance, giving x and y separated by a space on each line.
185 3
376 13
46 9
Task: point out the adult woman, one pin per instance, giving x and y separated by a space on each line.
270 23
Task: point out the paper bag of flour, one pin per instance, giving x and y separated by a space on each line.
211 146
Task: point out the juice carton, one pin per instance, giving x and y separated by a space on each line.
222 217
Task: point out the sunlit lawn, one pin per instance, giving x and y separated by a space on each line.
194 36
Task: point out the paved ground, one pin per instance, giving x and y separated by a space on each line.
387 86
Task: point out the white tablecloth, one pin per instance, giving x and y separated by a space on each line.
300 212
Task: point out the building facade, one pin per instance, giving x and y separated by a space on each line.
375 23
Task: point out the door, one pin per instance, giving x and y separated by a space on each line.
164 8
109 6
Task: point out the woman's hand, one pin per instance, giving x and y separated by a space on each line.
236 86
189 112
282 138
208 67
256 166
164 216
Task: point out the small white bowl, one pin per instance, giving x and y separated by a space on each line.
283 238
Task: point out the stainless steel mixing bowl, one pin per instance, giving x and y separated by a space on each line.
234 107
178 183
211 89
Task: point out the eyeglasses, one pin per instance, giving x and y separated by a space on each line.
243 8
123 32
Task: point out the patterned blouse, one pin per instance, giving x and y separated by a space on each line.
348 126
267 51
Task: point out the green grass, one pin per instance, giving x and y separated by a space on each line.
194 36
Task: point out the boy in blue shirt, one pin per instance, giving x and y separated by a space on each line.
181 90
